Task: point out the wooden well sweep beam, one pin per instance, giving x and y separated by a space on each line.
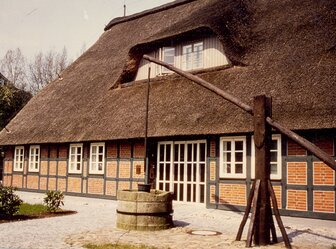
323 156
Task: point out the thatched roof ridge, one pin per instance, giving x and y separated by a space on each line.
286 49
164 7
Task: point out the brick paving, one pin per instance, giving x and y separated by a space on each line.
95 223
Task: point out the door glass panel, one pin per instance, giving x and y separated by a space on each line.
181 192
202 193
181 152
181 172
167 172
195 172
195 152
161 171
202 172
175 191
176 152
188 192
202 152
168 152
189 151
161 152
188 172
175 172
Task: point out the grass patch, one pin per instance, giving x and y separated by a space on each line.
118 246
31 209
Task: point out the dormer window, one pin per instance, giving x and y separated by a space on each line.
199 53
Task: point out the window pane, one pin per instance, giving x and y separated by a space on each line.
78 158
274 156
100 166
198 55
168 56
227 156
94 158
100 158
239 168
274 145
227 146
73 150
78 166
94 149
239 157
239 145
228 168
101 149
79 150
274 168
72 158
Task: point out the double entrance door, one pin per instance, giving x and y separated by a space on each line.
181 169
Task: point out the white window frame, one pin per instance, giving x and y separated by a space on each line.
34 158
163 70
184 65
223 173
18 158
278 175
75 162
96 170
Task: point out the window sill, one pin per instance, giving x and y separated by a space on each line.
17 170
96 173
75 172
33 171
232 177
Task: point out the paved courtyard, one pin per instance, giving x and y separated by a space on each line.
95 223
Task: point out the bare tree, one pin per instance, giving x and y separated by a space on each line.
46 68
13 66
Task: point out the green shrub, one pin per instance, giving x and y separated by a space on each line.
54 200
9 202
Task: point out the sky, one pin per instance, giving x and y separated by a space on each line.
41 25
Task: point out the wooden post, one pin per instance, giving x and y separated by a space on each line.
146 130
262 139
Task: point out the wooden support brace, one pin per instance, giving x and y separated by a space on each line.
253 217
246 214
273 231
277 216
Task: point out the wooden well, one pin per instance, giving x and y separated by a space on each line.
144 211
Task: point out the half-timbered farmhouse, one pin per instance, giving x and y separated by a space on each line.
84 133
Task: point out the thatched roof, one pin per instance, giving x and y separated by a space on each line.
283 48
